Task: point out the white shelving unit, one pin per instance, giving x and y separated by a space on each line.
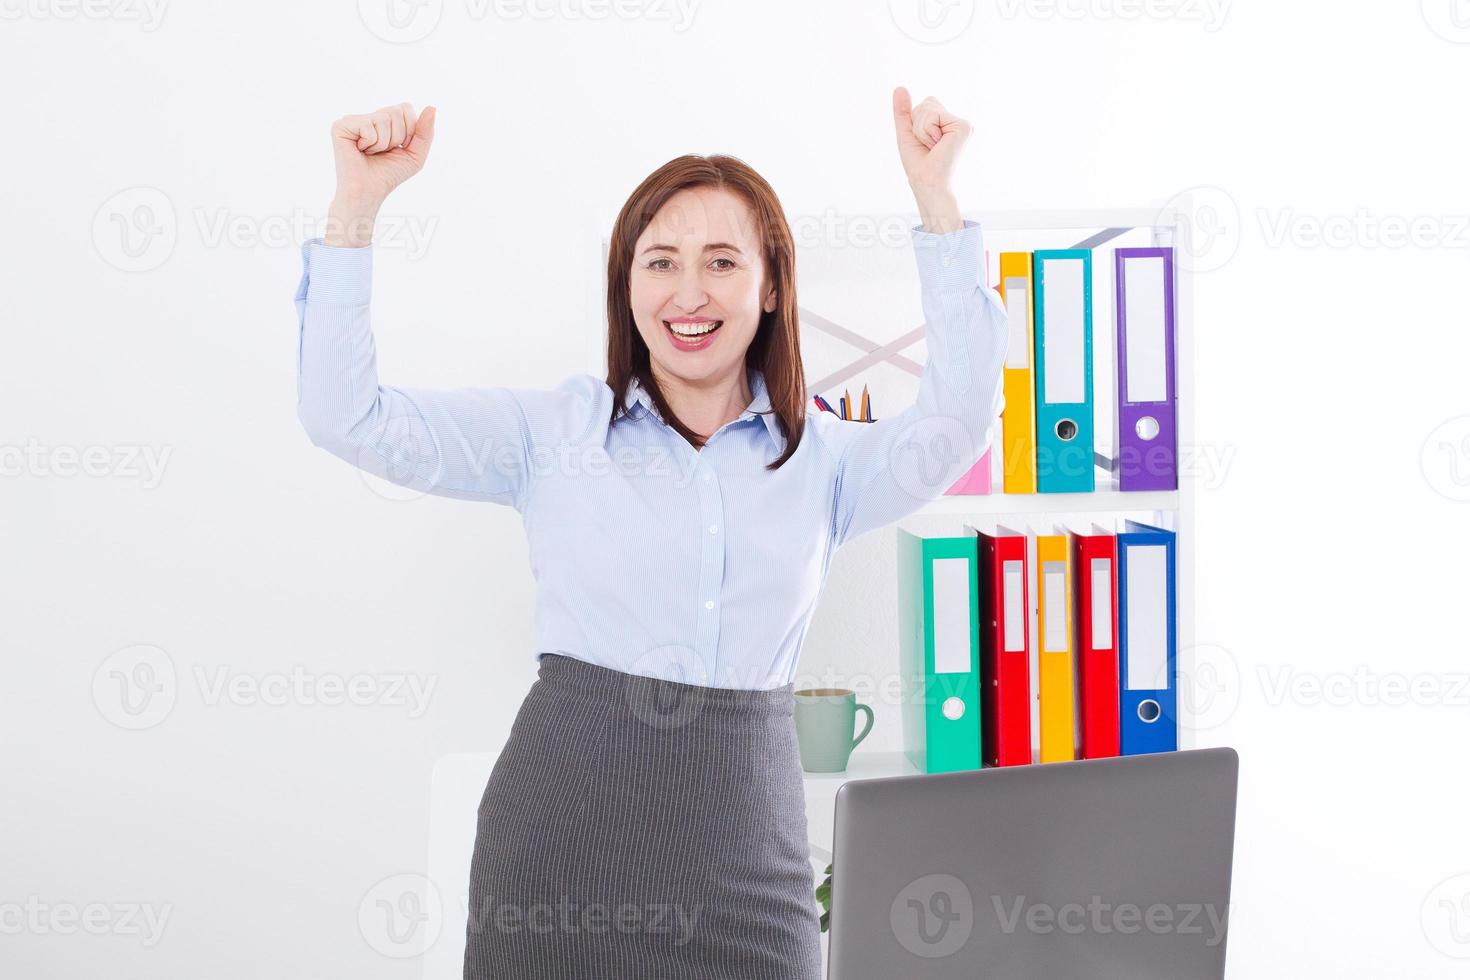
1101 230
1101 502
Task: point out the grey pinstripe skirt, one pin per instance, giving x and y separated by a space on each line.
643 828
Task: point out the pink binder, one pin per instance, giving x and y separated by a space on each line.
976 479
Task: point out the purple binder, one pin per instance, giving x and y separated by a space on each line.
1148 427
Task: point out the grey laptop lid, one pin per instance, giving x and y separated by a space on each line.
1098 869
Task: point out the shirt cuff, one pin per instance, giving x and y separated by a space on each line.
332 274
951 261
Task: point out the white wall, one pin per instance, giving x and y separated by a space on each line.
1330 383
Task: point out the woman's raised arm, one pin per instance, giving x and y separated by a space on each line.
889 468
472 443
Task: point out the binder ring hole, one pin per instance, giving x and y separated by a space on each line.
1066 430
1147 427
1149 711
954 709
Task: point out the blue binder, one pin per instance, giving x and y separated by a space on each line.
1063 316
1148 639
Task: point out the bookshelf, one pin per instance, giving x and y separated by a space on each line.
1102 231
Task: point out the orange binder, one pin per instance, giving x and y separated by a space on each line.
1055 679
1018 419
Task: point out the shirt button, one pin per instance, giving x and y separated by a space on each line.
706 478
713 528
709 604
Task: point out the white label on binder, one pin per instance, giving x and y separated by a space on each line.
1018 312
1102 603
1147 617
1015 624
1054 601
1062 331
951 615
1143 329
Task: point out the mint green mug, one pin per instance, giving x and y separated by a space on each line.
825 717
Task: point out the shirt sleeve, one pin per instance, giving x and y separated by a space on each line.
468 443
890 468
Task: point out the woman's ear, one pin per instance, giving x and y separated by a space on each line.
770 304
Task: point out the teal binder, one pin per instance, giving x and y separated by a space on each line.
939 650
1062 281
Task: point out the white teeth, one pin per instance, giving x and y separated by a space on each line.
693 329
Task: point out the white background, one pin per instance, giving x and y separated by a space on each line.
1330 381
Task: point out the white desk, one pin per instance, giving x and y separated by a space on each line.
821 795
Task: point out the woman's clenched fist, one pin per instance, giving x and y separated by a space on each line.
374 153
929 139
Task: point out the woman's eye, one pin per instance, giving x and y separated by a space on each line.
663 265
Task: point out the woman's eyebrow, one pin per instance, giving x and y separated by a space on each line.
711 247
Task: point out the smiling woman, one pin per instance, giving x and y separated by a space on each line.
692 300
646 816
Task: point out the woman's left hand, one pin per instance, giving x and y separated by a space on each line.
929 141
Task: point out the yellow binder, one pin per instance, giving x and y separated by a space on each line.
1018 418
1055 686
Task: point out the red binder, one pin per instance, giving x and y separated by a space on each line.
1005 649
1095 564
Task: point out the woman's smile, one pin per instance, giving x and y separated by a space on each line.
692 333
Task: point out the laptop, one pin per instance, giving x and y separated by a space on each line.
1103 868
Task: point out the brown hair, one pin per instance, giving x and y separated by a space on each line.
775 350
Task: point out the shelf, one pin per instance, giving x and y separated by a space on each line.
1163 217
864 765
1102 501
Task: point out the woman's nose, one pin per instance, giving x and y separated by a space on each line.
690 294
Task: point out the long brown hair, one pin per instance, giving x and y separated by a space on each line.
775 350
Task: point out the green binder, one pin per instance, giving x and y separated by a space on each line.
939 650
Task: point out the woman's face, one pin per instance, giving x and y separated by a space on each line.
698 264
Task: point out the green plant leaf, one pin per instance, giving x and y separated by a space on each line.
824 898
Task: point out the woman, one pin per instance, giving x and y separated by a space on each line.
646 817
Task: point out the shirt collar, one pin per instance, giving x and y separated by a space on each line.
760 402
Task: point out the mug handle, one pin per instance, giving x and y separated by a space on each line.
866 728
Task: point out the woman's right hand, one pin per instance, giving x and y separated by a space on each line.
374 153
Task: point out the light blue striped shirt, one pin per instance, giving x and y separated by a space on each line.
649 556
